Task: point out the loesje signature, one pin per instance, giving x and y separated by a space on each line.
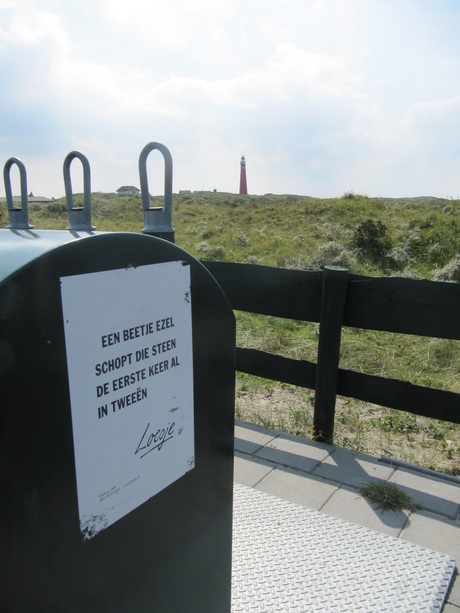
154 439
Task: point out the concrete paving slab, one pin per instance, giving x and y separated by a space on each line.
431 493
443 535
353 469
295 452
306 441
431 531
249 438
249 471
449 608
293 485
453 598
348 504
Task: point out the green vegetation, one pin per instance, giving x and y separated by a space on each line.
375 236
417 238
388 497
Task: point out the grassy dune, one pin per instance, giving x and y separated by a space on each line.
417 238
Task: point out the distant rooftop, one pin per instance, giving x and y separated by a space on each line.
31 199
125 190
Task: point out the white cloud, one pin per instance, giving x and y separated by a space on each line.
30 28
312 92
169 23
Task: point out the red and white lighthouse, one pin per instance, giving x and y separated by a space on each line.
243 183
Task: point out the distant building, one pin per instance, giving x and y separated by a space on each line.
31 199
127 190
39 199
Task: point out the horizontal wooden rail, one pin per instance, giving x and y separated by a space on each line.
429 402
276 367
426 401
292 294
423 308
406 306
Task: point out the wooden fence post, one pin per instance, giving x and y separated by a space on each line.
335 281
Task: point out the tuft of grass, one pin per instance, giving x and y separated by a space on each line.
388 497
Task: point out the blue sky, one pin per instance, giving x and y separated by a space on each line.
321 96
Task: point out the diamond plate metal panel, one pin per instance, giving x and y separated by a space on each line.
288 558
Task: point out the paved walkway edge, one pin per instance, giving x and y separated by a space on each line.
328 479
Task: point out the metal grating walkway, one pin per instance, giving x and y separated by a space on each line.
290 558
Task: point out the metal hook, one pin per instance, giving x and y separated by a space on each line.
79 217
19 217
157 220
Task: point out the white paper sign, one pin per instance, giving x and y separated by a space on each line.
129 354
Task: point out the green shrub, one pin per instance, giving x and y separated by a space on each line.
436 244
398 258
333 254
55 209
202 247
450 272
243 239
216 253
371 239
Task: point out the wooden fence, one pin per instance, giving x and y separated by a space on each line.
335 298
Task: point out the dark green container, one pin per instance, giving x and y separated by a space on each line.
173 552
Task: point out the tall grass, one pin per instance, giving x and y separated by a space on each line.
416 238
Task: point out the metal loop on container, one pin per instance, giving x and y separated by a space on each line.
157 220
18 217
79 217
